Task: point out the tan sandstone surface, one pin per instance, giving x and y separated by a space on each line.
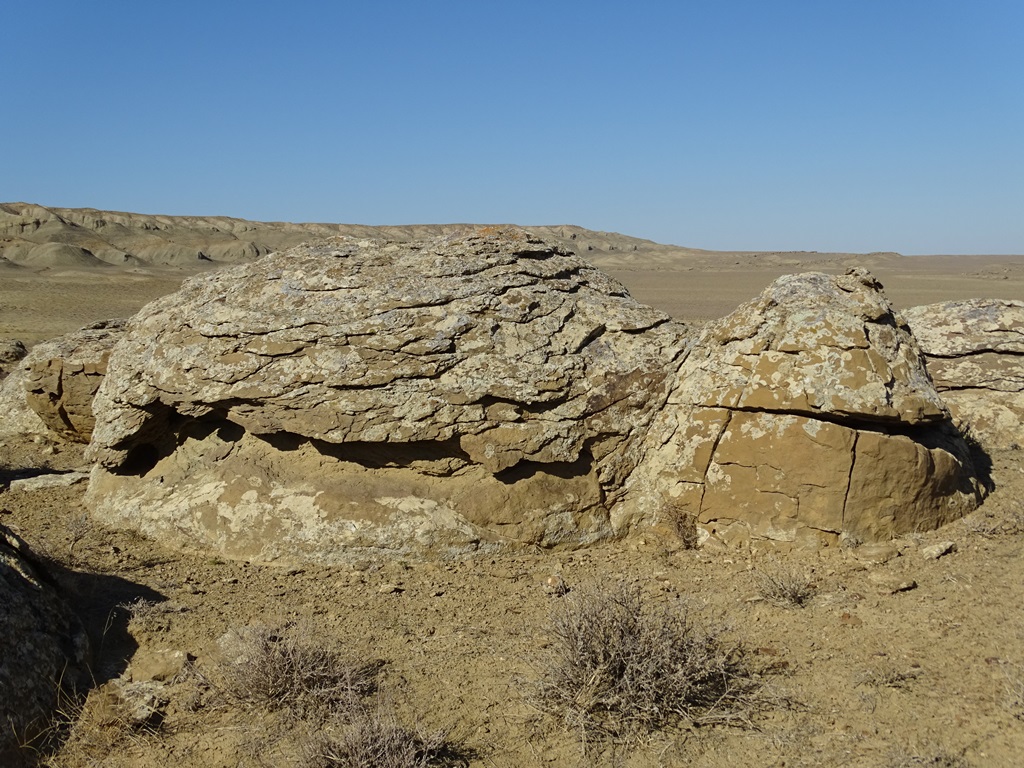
901 657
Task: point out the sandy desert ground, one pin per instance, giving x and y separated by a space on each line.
895 660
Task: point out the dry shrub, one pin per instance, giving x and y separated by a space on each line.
684 525
783 584
1015 691
618 668
86 732
927 755
290 669
373 736
321 691
888 676
150 616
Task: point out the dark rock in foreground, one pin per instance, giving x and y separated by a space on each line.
43 648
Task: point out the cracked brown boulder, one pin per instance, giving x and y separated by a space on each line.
805 414
975 355
49 391
60 378
443 395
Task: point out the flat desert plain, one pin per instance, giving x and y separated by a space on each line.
38 305
894 659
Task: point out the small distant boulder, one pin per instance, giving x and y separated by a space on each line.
975 355
11 351
61 377
805 414
49 392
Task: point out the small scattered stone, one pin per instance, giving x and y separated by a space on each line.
935 551
157 664
890 584
876 554
140 704
555 585
390 589
43 482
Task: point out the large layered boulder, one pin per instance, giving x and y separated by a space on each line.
805 414
975 355
444 395
43 649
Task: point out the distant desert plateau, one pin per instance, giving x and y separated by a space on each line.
62 268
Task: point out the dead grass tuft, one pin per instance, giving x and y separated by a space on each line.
85 732
784 584
1014 686
290 669
931 756
618 668
150 616
888 676
364 735
684 525
77 529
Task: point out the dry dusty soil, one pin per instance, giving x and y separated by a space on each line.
893 659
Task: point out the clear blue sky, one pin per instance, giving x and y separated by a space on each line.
855 125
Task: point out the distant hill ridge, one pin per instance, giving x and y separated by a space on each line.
39 237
